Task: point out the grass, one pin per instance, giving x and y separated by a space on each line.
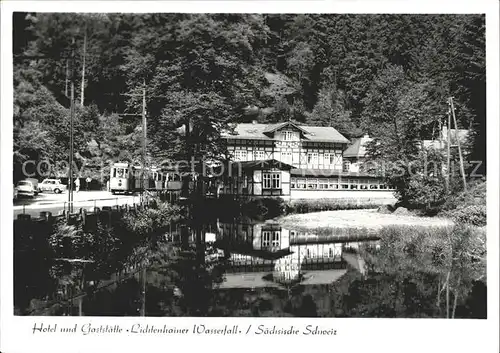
360 219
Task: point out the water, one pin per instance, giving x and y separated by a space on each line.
241 267
237 268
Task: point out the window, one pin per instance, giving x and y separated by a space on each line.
353 183
329 159
312 158
240 155
323 184
271 180
286 157
301 184
258 155
266 239
346 165
344 186
276 178
312 183
288 135
275 242
332 184
373 186
293 183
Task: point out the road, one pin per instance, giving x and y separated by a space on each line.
57 203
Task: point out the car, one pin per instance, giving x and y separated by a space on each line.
26 188
34 181
52 185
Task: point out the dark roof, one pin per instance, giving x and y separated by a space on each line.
256 131
326 173
358 148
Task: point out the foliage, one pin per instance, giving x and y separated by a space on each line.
263 207
75 254
453 259
317 205
468 207
348 71
152 220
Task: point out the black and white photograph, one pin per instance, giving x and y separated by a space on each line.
275 165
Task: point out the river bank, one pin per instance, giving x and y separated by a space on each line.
368 218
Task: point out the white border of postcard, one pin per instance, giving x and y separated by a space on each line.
363 335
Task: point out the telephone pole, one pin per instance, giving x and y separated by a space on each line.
462 171
142 183
143 292
72 114
448 125
84 55
144 140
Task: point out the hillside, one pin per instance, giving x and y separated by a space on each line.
351 72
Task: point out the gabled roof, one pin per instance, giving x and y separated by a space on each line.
256 131
274 127
358 148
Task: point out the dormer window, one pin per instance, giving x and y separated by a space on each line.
290 136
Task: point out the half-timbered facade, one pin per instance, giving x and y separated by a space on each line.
256 247
256 178
299 146
295 161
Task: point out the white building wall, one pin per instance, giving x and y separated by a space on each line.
257 179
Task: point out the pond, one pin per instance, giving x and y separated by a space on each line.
244 267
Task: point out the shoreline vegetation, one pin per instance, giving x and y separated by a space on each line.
359 219
414 271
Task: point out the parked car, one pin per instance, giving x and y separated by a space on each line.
35 184
52 185
26 188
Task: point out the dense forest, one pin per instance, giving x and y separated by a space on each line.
357 73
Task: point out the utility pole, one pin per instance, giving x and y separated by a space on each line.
67 79
448 150
82 93
72 114
462 171
144 137
143 292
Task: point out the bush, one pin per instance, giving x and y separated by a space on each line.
425 192
266 207
469 214
306 206
467 207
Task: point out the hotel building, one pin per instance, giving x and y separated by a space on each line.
296 162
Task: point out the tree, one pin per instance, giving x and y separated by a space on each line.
330 111
396 113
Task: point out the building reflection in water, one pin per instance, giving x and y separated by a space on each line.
281 255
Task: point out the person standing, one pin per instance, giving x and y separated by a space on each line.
77 184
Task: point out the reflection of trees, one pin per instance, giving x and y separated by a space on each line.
179 284
419 273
